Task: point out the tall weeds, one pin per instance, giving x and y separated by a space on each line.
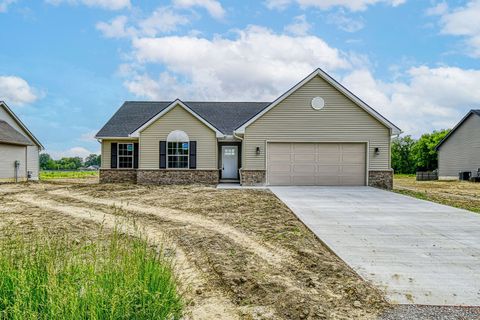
52 277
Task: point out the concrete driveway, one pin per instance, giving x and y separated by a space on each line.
419 251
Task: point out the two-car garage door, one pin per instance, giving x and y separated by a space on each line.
322 164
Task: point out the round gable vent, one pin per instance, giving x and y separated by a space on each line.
318 103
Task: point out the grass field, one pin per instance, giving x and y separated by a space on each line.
460 194
49 175
53 276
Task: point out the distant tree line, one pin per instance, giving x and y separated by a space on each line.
68 163
410 155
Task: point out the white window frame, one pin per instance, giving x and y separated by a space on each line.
132 156
176 155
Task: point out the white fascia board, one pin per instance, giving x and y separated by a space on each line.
20 123
322 74
177 102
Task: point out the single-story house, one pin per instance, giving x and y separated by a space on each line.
317 133
19 149
460 149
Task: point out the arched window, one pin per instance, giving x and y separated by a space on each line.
178 146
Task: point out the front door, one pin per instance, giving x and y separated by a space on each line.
229 162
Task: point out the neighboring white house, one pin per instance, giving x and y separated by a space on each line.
19 149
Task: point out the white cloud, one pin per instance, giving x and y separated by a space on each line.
429 98
299 27
16 91
345 23
353 5
162 20
116 28
4 5
464 21
213 7
72 152
255 65
438 9
104 4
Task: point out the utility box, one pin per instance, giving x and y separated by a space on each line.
464 175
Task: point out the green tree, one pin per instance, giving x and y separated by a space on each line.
402 156
92 160
424 153
45 161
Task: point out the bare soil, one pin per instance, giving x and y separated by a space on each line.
240 254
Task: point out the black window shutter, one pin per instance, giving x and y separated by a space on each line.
193 154
113 154
163 154
135 155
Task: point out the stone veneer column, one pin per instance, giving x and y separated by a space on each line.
381 179
253 177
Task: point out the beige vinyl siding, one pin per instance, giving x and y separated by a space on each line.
33 164
294 120
461 151
107 150
8 155
178 119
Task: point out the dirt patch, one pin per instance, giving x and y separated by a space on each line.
242 253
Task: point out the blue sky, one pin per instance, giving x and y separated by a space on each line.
67 65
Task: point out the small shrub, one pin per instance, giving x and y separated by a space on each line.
46 277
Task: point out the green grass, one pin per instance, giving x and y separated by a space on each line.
47 175
50 277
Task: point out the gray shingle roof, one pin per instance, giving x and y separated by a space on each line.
225 116
473 111
9 135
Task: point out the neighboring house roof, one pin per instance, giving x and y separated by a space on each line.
223 116
20 123
322 74
471 112
9 135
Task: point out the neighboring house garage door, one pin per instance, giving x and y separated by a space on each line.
322 164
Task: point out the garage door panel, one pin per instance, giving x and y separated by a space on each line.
328 158
279 157
353 147
280 180
304 180
302 157
326 170
353 158
307 168
327 180
324 164
304 148
280 168
328 148
279 148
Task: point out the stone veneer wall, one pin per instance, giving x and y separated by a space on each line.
118 176
170 176
381 179
252 177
